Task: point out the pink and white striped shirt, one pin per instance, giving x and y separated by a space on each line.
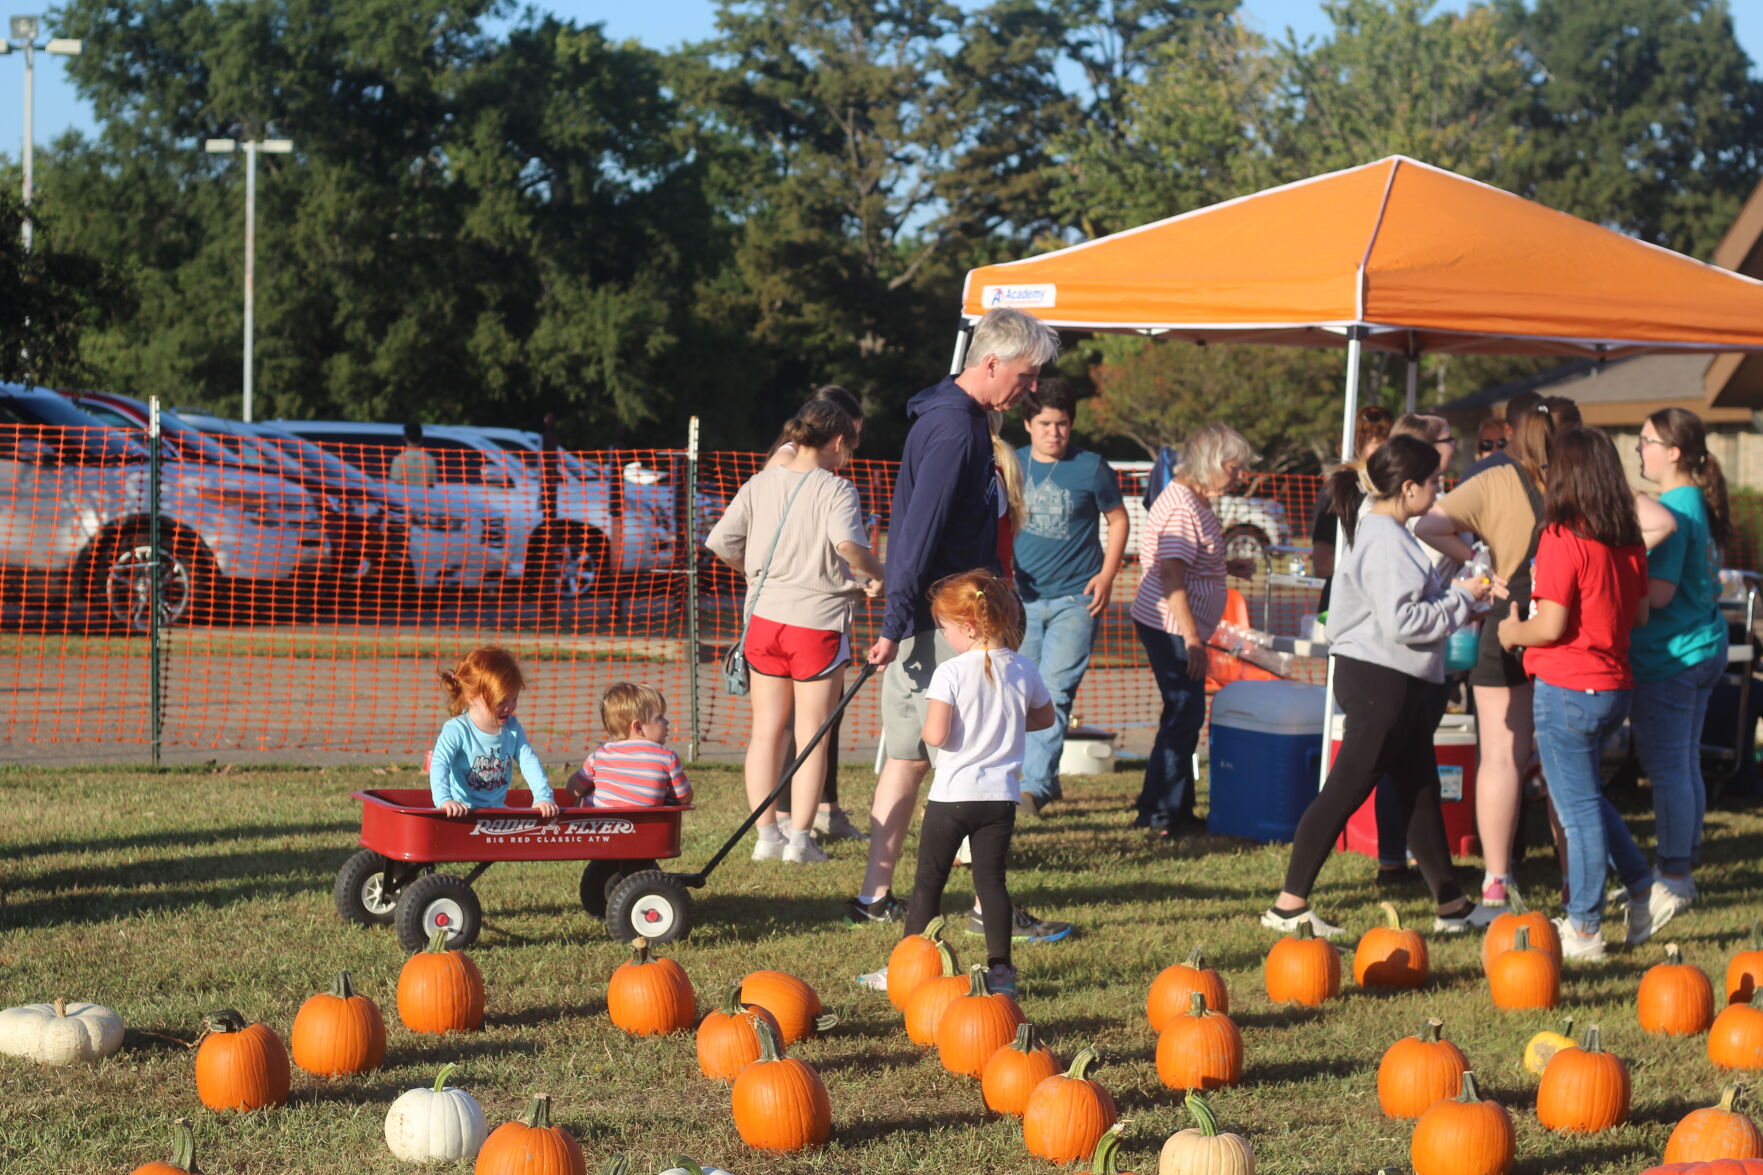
1181 526
634 773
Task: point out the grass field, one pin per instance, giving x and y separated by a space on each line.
168 896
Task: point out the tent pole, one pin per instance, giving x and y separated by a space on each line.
1413 397
1355 337
957 361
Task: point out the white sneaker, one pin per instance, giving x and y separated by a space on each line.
874 980
1478 917
836 825
1274 921
769 850
964 852
805 853
1667 901
1574 945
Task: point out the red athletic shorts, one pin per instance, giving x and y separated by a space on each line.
789 650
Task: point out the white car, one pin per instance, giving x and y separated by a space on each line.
1251 525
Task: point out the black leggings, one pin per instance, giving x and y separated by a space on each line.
1392 821
1385 711
987 825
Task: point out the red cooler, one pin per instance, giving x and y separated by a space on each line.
1454 748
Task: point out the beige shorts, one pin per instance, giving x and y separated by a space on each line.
905 682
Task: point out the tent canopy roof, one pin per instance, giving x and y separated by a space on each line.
1422 258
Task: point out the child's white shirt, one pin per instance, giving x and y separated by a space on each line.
982 757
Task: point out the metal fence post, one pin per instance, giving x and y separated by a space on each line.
155 717
691 547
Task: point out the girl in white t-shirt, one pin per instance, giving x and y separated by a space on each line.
982 702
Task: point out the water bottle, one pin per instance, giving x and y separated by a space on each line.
1480 570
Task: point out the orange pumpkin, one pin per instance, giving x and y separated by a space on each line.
1715 1132
1172 991
1014 1070
531 1146
1068 1113
727 1038
338 1032
1389 956
1303 969
1584 1090
924 1011
650 996
1201 1050
1503 932
1675 999
793 1004
240 1066
1736 1039
975 1025
440 990
916 958
780 1103
1745 972
1419 1070
1463 1135
1525 977
183 1154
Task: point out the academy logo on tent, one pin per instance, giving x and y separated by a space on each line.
1036 297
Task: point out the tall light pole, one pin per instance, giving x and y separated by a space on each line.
23 35
250 148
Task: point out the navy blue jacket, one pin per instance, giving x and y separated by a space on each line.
945 512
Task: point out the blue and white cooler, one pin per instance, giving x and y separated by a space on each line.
1266 752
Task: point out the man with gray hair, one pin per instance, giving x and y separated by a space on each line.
944 520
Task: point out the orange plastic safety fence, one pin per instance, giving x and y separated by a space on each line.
312 583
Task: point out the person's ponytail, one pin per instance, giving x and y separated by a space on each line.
1711 480
817 425
1346 494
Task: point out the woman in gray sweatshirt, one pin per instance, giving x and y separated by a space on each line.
1387 625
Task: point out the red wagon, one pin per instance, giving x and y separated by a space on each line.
392 880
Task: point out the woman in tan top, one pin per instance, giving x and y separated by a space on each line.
796 532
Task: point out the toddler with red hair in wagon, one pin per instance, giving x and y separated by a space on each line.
476 752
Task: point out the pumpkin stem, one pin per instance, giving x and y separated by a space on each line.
1304 931
342 988
689 1166
60 1007
976 980
1197 958
1197 1003
183 1146
731 1004
539 1116
825 1021
1204 1118
1103 1163
1080 1065
1515 901
1521 939
639 950
946 956
441 1077
1673 955
1027 1038
768 1047
438 941
1729 1098
1567 1028
225 1020
1391 917
1592 1043
1757 936
619 1165
934 929
1469 1093
1429 1030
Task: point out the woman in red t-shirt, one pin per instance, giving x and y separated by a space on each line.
1589 591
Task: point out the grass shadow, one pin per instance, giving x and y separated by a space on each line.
179 838
455 1046
1300 1071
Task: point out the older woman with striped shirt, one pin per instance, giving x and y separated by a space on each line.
1179 602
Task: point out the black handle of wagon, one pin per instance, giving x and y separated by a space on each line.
697 880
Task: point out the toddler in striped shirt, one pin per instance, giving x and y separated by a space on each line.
635 768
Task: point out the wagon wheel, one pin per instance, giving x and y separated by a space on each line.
600 878
361 895
651 905
438 902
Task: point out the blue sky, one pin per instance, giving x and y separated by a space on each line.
659 23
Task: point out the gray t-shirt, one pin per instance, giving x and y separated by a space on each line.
809 584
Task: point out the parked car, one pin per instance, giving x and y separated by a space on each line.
1250 525
76 520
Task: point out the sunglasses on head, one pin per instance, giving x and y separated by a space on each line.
1490 446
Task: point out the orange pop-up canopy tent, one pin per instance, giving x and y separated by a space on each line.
1397 255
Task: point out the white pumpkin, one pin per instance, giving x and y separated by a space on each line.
436 1123
60 1033
685 1166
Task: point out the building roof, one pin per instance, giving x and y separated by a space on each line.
1617 392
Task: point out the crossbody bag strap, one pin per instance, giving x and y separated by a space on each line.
765 569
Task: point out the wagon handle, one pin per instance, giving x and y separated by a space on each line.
697 880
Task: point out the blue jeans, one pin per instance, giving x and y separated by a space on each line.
1668 716
1168 793
1057 636
1572 727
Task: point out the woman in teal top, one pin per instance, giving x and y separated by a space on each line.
1680 652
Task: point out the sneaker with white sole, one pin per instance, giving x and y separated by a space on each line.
836 825
1475 918
1274 920
1638 921
769 850
1001 980
1574 945
874 980
1494 893
805 853
1667 901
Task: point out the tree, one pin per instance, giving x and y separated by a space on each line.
49 296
